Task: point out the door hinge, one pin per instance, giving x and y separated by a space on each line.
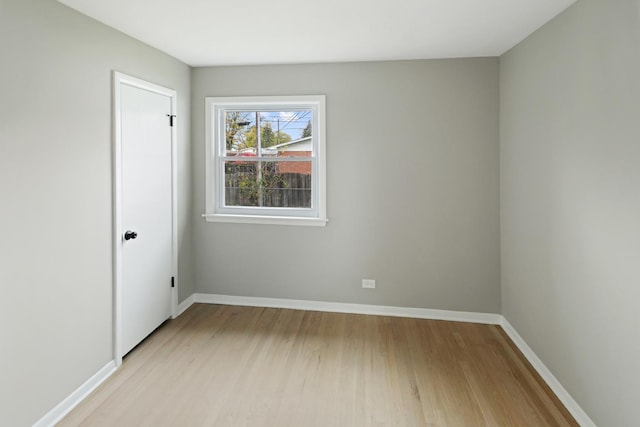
171 117
173 282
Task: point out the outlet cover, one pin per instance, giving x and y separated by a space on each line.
368 283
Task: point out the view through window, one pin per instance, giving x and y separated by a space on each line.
271 167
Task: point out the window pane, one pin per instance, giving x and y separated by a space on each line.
286 184
239 129
283 133
241 186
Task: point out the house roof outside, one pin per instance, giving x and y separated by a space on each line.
298 145
302 144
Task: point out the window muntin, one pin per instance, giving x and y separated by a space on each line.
266 159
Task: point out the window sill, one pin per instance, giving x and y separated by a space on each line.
270 220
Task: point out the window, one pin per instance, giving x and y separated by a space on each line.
266 160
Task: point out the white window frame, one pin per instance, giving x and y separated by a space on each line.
216 211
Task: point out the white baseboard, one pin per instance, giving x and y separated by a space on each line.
563 395
184 305
64 407
337 307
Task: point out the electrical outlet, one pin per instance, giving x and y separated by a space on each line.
368 283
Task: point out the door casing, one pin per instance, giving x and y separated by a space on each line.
118 80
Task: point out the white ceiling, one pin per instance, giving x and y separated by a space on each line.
215 32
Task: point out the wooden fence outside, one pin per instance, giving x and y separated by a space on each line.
290 190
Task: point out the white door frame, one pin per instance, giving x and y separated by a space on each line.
118 80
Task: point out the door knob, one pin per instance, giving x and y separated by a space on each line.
128 235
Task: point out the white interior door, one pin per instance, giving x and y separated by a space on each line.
146 225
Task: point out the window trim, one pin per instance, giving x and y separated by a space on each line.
214 183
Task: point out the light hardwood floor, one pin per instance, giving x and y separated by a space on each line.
241 366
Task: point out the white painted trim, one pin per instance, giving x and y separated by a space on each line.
260 219
184 305
336 307
174 203
118 80
563 395
64 407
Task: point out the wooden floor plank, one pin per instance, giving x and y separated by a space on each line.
247 366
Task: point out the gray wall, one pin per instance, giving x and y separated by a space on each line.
412 190
570 179
55 183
